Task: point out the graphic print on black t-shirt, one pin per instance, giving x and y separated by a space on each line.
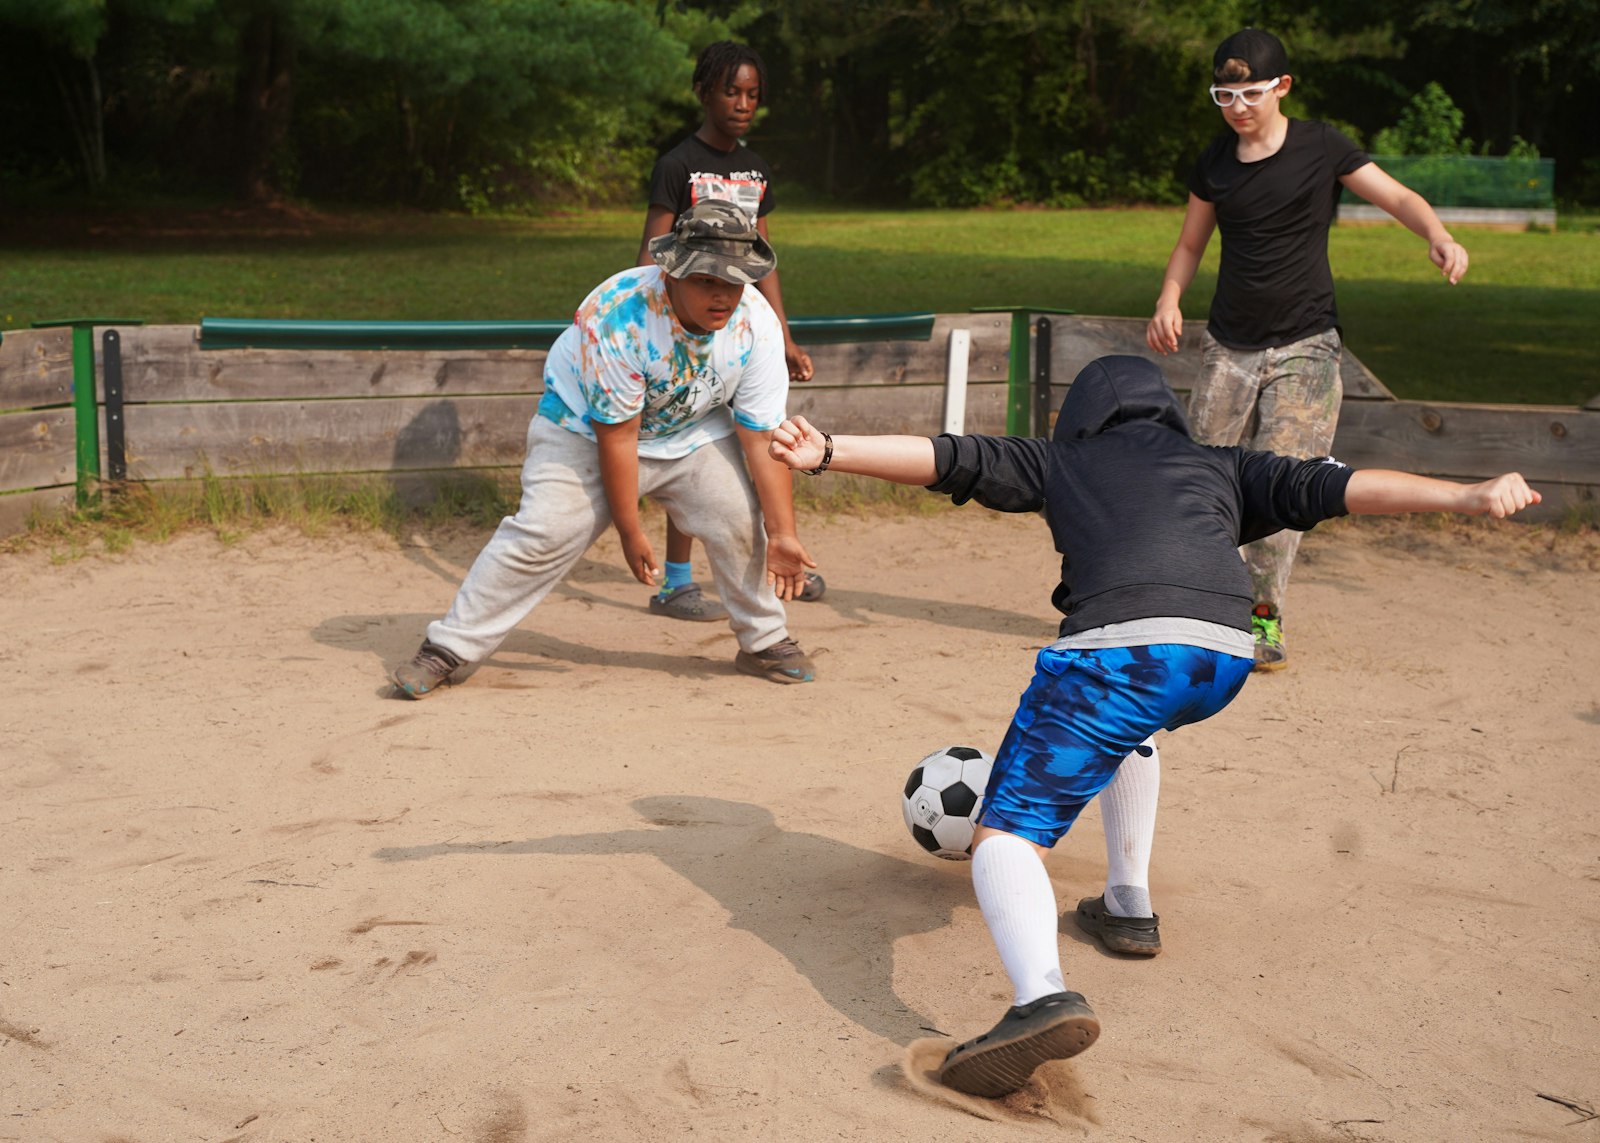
694 171
742 188
1274 285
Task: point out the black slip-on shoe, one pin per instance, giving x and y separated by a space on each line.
1140 936
1053 1027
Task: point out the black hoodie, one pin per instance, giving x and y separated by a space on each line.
1148 522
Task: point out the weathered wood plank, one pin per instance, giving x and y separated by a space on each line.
1077 340
186 441
1471 441
37 448
1465 441
35 368
917 362
165 363
1360 383
18 508
325 436
916 410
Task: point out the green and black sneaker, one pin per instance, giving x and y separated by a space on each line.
1271 655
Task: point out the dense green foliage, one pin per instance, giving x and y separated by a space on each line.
479 104
1520 326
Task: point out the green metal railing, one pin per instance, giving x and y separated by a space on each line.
271 333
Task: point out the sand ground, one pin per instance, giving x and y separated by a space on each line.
610 889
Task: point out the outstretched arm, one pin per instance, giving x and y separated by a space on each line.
1377 491
1408 207
905 460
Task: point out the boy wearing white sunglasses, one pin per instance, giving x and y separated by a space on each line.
1270 375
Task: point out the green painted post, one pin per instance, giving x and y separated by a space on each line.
85 408
1019 379
84 413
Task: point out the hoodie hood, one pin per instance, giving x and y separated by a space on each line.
1114 390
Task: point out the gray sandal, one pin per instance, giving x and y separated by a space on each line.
687 602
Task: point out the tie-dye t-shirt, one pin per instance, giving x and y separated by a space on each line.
625 353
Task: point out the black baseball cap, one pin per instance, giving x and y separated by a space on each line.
1261 50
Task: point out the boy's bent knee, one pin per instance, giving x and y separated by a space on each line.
983 833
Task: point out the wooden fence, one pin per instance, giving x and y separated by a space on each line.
186 411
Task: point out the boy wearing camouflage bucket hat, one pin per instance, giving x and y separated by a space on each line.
668 383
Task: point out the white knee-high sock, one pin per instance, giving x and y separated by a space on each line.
1019 907
1128 812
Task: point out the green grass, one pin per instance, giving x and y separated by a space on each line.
1520 328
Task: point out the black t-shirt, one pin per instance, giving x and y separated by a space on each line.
694 171
1274 285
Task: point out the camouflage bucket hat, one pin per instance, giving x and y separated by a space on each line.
714 237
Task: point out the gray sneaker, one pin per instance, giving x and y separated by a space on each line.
782 662
427 669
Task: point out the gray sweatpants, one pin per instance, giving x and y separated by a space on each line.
1283 400
564 510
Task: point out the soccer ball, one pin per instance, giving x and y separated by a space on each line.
943 798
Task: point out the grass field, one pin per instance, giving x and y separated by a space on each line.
1520 328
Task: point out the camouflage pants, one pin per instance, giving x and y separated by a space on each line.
1283 400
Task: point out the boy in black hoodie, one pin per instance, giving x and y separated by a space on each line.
1156 634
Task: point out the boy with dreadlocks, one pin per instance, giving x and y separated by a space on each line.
730 80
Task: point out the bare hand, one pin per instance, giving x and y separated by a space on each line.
1451 258
799 361
640 558
787 561
1165 329
1500 497
797 443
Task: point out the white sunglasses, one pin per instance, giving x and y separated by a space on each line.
1224 96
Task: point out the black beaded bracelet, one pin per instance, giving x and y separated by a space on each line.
827 455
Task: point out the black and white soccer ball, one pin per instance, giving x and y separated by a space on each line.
943 798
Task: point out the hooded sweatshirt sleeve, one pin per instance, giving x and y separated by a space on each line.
1282 492
1006 474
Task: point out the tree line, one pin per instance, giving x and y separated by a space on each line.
496 104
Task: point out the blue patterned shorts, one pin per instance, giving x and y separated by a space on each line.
1084 712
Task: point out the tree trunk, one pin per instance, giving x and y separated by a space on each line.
85 111
265 96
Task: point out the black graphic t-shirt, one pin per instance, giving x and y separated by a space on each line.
1274 286
694 171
